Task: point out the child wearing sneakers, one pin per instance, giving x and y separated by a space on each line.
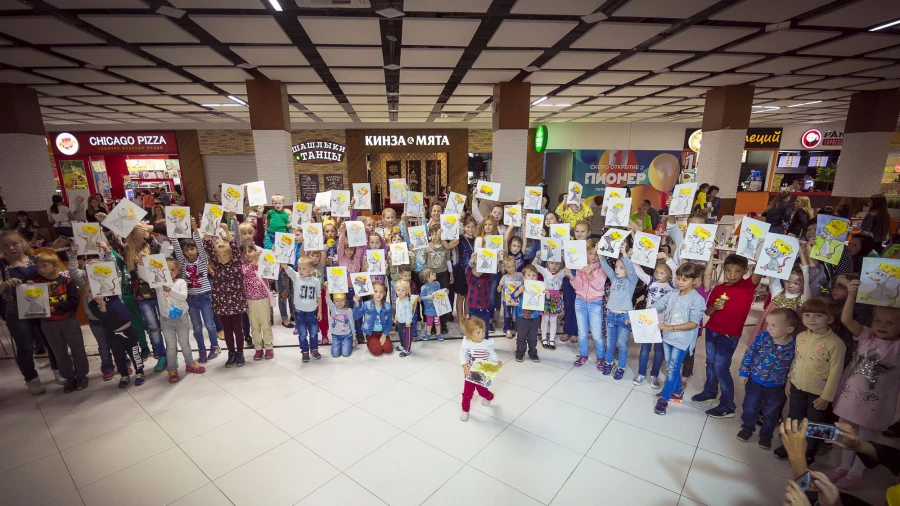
509 285
764 371
475 348
658 286
307 290
341 325
259 305
553 306
728 306
429 286
403 307
527 322
175 323
618 327
589 284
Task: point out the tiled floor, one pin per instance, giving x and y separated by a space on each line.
371 431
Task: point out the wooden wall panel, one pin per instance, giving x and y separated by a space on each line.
534 165
193 181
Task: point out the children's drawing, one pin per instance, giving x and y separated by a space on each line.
301 215
494 242
78 202
33 300
418 237
610 193
442 302
646 247
267 265
534 226
212 216
831 232
449 227
512 215
104 279
178 222
486 262
362 284
456 203
156 271
533 295
340 203
879 282
618 212
356 234
375 261
752 233
362 197
415 204
398 190
699 241
645 326
575 252
574 194
323 201
533 197
483 373
778 255
337 280
611 242
256 193
312 237
682 199
399 253
283 248
233 198
487 190
88 237
551 250
560 231
124 217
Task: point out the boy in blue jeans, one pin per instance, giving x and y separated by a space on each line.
307 291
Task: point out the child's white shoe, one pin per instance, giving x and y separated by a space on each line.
485 402
464 416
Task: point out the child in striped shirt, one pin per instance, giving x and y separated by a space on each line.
475 348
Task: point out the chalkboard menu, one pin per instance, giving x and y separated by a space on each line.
334 182
432 177
414 175
309 187
393 169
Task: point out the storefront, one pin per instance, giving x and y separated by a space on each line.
114 164
812 168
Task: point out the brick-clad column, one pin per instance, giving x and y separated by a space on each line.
867 140
271 125
510 143
726 116
27 173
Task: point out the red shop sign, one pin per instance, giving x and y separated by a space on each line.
99 143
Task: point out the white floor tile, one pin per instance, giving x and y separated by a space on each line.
402 404
70 499
27 445
341 490
110 453
207 495
402 368
89 423
590 393
36 483
617 488
720 437
563 423
307 408
562 357
534 466
284 356
445 431
315 371
233 444
423 467
266 388
280 477
20 415
55 403
437 348
359 383
684 501
509 402
166 396
658 459
348 437
470 486
527 374
199 416
15 392
718 480
129 486
440 377
680 423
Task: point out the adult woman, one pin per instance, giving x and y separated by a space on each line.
878 219
24 225
61 217
778 212
434 219
158 215
860 246
16 266
641 218
802 214
465 246
139 244
843 209
178 198
95 205
598 221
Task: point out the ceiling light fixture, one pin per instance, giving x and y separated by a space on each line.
391 38
393 66
765 108
220 105
777 27
246 66
805 103
390 13
171 12
531 68
554 105
275 5
235 99
593 18
538 101
886 25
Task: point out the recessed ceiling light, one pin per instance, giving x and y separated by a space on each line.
886 25
390 13
275 5
805 103
531 68
235 99
220 105
554 105
391 38
777 27
246 66
538 101
171 12
593 18
393 66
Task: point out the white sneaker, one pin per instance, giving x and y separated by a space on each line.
654 382
464 416
639 379
58 377
485 402
36 387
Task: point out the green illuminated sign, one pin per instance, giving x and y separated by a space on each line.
540 138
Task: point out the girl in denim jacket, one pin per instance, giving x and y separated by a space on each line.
376 317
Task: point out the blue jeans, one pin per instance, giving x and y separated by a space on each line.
719 350
307 330
483 315
674 358
150 312
200 306
492 293
589 315
769 399
570 325
284 283
509 317
341 345
645 357
106 360
617 332
413 326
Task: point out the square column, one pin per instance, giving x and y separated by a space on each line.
867 140
271 125
510 142
726 116
27 175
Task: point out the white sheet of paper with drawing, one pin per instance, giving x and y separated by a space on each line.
362 284
415 204
449 227
124 217
256 193
611 242
233 198
376 262
362 196
575 253
323 201
267 265
486 261
534 226
512 215
682 199
551 250
104 279
337 279
533 295
212 216
560 231
533 197
157 270
611 192
751 238
418 237
646 247
573 195
340 203
699 240
87 236
313 237
397 188
879 282
356 234
494 242
487 190
831 232
178 222
442 302
302 214
399 253
78 203
33 300
456 203
779 252
283 248
645 326
618 212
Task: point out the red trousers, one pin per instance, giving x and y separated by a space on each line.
376 348
469 389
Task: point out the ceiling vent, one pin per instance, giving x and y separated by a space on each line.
334 4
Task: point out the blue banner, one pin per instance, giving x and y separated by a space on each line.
650 174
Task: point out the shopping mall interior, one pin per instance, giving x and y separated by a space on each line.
105 103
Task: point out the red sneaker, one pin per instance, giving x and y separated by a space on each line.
195 368
270 354
258 355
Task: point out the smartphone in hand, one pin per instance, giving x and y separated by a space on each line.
822 431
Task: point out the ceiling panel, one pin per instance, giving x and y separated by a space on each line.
184 89
55 101
782 41
361 32
854 45
606 35
523 33
134 108
224 74
836 82
155 99
786 81
187 55
44 30
651 61
217 4
423 89
892 71
823 95
784 64
579 60
654 101
500 59
424 76
844 67
140 29
150 75
292 74
438 32
557 7
310 89
768 11
859 15
103 56
262 56
635 91
105 100
489 76
889 53
683 91
673 78
729 79
62 90
719 62
553 77
414 57
682 9
613 78
243 29
468 89
879 85
785 93
19 77
86 109
366 99
584 90
357 75
466 100
79 75
27 57
124 89
703 38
